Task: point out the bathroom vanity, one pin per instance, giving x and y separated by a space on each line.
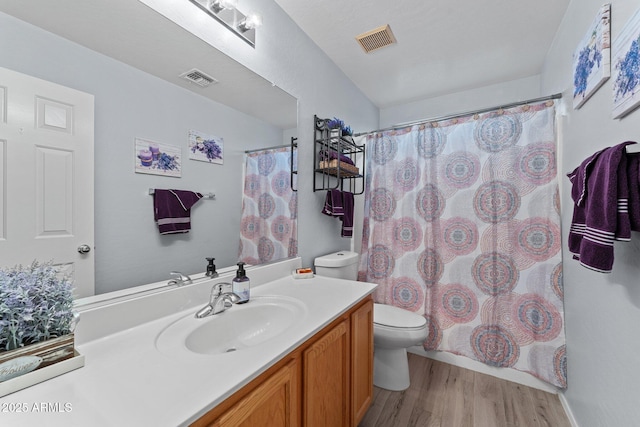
309 363
327 381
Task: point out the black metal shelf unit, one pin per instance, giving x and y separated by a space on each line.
332 156
293 162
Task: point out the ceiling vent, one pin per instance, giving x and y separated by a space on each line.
198 77
376 39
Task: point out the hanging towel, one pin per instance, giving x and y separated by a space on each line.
172 210
633 178
340 204
347 217
333 204
600 193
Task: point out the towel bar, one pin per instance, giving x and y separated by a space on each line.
211 196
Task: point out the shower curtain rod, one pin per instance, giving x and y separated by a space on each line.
466 113
267 148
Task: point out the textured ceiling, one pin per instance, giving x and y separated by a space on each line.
443 46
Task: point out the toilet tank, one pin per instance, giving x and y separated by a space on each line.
341 265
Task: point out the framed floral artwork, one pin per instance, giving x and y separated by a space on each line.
592 58
157 159
626 68
206 148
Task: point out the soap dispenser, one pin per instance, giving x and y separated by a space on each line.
211 268
241 284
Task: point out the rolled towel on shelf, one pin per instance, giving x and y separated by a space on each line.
331 155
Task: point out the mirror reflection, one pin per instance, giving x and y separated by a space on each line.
268 226
132 74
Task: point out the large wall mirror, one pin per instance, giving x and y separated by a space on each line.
130 59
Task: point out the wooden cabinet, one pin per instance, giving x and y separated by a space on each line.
361 361
273 402
327 381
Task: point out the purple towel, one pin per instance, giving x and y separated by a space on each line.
623 226
633 177
330 155
340 204
347 218
172 210
333 203
600 215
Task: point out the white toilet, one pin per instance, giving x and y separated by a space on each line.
394 329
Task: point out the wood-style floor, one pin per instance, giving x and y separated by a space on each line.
445 395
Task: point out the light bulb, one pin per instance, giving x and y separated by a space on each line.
253 20
217 5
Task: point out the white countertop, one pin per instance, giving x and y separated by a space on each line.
127 381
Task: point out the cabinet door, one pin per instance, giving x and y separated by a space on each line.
274 403
361 361
326 389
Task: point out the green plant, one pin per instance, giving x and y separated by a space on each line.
36 304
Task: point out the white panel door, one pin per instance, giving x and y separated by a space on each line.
46 176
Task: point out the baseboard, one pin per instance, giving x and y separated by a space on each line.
502 373
567 410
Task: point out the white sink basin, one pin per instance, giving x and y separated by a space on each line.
238 328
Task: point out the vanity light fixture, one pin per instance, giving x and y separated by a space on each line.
225 12
217 5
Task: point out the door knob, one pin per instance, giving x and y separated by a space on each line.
83 249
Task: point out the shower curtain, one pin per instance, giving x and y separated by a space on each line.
462 225
268 225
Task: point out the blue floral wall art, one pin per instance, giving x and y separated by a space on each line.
157 159
592 58
206 148
626 68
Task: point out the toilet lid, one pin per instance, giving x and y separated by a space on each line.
395 317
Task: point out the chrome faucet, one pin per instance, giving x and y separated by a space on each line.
219 301
181 279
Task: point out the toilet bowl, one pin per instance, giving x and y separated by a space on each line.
394 330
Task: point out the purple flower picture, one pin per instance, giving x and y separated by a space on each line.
626 68
592 58
157 159
205 148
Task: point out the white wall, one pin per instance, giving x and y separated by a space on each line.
474 99
602 311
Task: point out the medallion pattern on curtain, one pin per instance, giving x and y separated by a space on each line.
268 225
462 225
